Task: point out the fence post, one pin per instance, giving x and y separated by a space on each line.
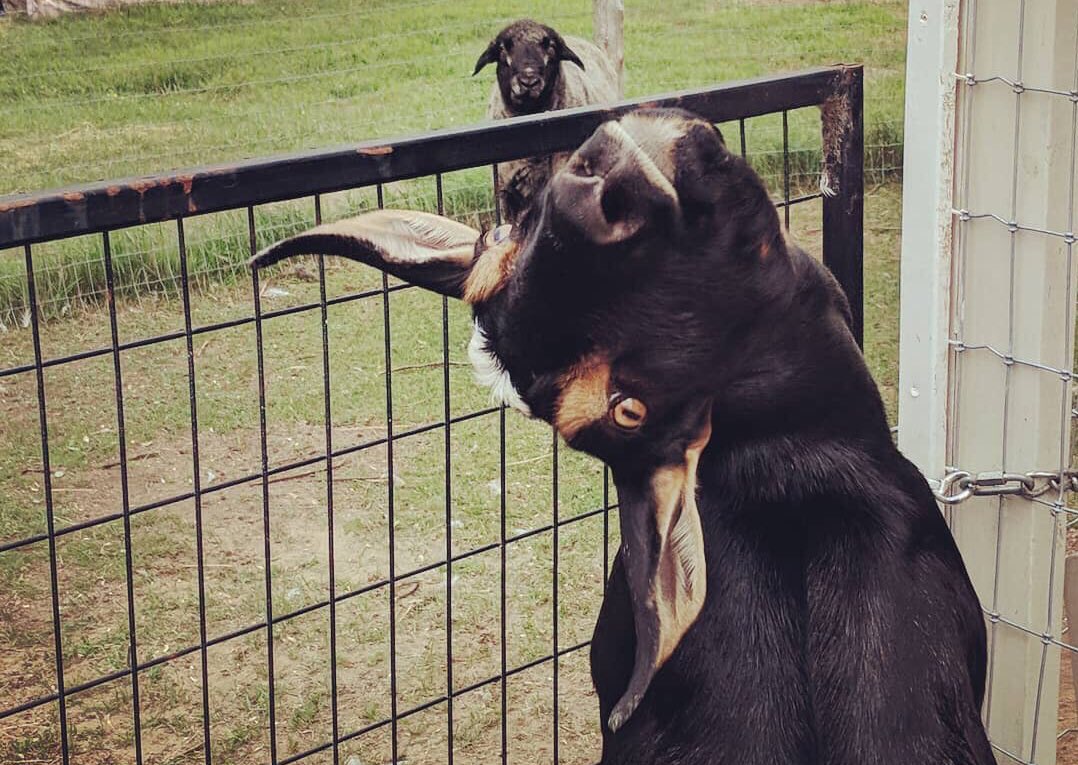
842 124
927 175
608 24
987 328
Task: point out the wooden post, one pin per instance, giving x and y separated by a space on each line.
1070 604
608 23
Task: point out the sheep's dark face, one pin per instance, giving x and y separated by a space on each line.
611 311
529 56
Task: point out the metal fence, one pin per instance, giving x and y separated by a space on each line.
988 328
454 626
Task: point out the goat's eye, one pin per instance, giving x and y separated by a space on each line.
627 413
585 167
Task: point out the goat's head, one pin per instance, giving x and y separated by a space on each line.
612 311
529 56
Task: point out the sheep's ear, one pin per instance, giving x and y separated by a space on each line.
565 53
427 250
489 56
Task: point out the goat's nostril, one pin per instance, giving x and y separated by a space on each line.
528 80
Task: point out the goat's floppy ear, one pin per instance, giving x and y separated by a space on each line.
563 51
663 559
427 250
610 189
489 56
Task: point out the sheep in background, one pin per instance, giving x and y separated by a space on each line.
540 71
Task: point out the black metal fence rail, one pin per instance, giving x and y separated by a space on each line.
106 207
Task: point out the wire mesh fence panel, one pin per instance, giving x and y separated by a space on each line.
988 398
277 521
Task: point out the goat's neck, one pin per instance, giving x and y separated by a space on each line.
801 380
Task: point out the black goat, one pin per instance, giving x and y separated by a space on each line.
786 590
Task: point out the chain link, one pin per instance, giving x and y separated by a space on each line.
959 485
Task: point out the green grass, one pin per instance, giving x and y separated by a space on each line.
155 87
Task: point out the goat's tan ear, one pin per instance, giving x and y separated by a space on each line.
427 250
663 558
611 189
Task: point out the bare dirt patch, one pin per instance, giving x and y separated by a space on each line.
94 601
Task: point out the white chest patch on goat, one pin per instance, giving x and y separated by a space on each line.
490 373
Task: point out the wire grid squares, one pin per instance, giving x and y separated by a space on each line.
1012 363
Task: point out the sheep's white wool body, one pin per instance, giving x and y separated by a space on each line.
490 373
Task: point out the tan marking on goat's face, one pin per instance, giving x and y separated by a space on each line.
657 137
584 397
680 582
490 272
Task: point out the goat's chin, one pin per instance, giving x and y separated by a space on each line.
490 373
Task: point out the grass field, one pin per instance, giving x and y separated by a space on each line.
161 86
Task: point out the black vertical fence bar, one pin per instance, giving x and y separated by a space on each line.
843 213
267 553
503 618
786 168
502 488
196 478
390 513
554 565
606 524
330 526
741 132
125 497
50 519
448 506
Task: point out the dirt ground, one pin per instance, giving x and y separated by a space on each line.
165 584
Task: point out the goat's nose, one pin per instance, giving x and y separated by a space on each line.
528 79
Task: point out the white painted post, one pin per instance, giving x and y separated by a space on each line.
927 190
608 24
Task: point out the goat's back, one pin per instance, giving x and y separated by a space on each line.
828 637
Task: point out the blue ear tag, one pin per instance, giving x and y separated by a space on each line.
501 232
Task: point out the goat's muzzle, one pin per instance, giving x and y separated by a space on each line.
611 189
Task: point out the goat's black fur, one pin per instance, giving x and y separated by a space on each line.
839 626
